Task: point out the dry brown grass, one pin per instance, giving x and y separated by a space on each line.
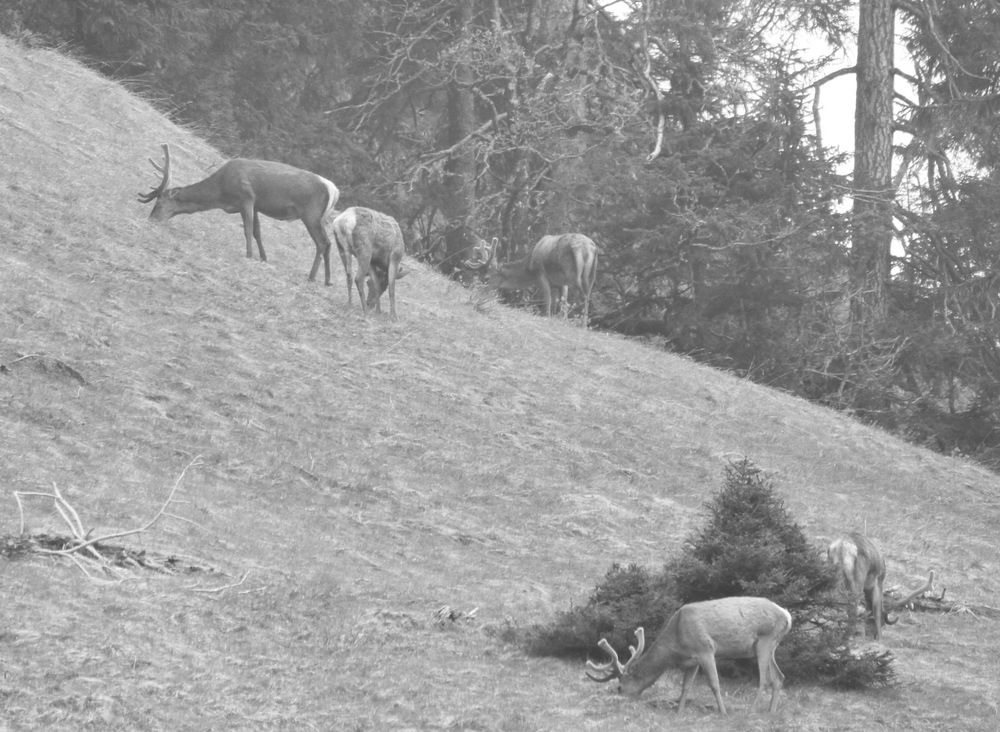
366 473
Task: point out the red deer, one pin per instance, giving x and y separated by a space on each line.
376 241
860 567
250 188
563 260
696 635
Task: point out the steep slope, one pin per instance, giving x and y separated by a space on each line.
357 475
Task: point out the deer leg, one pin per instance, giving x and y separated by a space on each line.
777 681
322 242
345 259
588 286
708 663
763 677
769 673
391 276
873 603
375 289
256 235
247 212
364 270
689 674
547 294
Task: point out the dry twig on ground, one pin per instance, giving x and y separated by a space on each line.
82 545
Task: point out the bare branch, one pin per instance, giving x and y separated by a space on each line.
910 7
223 588
654 87
478 132
75 524
72 519
156 517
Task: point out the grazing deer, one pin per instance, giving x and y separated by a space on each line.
860 567
376 241
563 260
250 188
696 635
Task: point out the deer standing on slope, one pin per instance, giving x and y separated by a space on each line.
250 188
696 635
376 241
860 567
564 260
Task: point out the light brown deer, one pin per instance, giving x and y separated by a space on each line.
250 188
860 567
376 241
694 637
564 260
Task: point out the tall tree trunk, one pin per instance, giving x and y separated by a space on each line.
460 170
873 192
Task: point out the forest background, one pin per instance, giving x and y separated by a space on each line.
681 135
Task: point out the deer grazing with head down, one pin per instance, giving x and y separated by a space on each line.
376 241
250 188
860 567
696 635
564 261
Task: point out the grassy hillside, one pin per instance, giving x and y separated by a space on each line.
362 474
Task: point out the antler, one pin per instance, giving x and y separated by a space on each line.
926 587
165 170
615 668
484 253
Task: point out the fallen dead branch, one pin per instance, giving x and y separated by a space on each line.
82 546
979 611
17 547
920 601
223 588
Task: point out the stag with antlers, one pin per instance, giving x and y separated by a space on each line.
694 637
250 188
860 567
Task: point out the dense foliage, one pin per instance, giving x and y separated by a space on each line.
750 545
677 135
